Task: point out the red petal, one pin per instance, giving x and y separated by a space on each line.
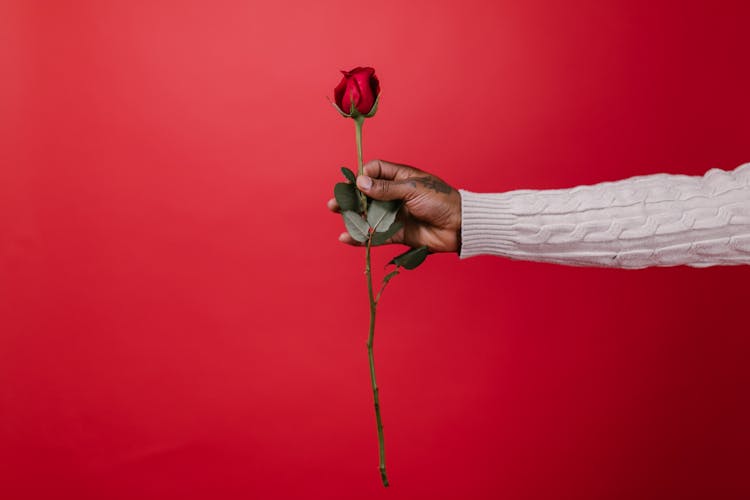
338 93
375 85
351 92
363 77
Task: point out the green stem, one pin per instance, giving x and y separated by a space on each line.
358 136
370 355
358 122
382 288
373 305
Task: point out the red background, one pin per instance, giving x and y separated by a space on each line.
178 320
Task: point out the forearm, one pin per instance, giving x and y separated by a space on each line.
648 220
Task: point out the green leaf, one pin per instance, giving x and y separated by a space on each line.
349 175
411 258
380 238
356 225
346 196
381 214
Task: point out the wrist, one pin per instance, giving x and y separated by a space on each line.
454 226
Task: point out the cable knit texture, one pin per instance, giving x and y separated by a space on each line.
642 221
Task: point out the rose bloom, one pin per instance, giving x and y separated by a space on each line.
359 86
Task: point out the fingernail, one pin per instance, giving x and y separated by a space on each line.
342 236
364 182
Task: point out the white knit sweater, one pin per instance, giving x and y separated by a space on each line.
642 221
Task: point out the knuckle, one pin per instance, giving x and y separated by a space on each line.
373 167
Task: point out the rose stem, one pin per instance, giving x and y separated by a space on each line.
370 355
358 121
371 334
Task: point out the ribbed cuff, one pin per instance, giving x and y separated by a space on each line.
486 224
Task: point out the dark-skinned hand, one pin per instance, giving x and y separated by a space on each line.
431 209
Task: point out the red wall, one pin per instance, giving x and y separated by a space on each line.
178 320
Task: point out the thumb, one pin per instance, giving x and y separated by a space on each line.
381 189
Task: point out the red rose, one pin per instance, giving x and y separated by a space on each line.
359 87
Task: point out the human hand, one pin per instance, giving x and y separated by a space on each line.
431 212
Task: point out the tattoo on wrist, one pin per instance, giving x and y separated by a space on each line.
432 183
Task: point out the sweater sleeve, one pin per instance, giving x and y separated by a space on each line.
642 221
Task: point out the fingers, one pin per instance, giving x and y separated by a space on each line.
382 181
333 205
380 189
381 169
347 238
